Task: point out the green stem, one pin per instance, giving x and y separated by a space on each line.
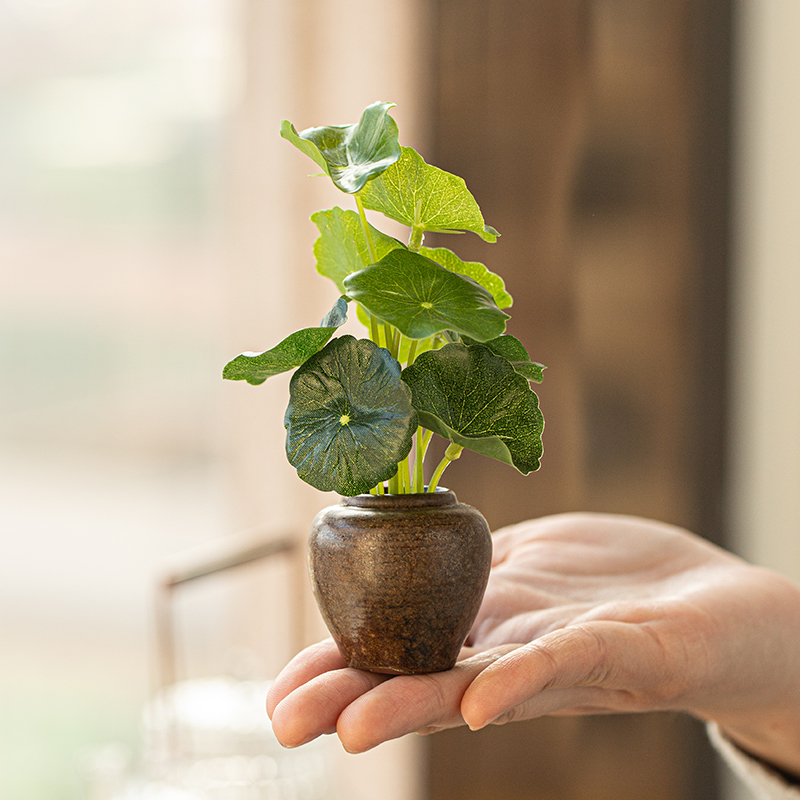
373 253
396 335
423 439
373 329
404 471
451 454
388 333
415 242
412 352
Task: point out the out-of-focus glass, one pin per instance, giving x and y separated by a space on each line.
112 122
210 739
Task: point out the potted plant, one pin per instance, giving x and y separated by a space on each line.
399 567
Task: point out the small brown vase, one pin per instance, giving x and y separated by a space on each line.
399 578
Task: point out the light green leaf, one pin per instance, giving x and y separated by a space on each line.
351 154
512 349
350 420
289 132
420 298
293 351
471 269
475 398
342 247
426 197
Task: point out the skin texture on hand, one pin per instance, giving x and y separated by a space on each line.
584 614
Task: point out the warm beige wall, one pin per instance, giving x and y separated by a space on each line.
314 62
765 435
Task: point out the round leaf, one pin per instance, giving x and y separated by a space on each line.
350 420
342 247
471 269
426 197
351 154
476 399
420 298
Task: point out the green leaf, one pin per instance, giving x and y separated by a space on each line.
351 154
426 197
293 351
471 269
350 420
512 349
342 247
476 399
289 132
420 298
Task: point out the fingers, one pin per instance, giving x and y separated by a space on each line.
411 703
596 666
314 708
315 660
601 665
366 709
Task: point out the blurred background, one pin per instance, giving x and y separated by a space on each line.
640 159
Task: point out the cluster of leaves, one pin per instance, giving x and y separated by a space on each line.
355 412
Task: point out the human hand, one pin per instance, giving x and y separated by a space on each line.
585 614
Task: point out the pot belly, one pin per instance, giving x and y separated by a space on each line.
399 590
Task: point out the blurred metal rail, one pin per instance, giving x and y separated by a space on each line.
213 558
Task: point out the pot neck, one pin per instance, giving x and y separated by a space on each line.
389 502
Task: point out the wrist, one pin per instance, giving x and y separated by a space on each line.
772 739
753 694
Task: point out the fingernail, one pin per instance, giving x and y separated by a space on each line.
300 744
487 722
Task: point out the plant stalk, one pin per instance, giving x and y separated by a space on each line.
415 241
412 352
374 331
451 454
391 339
405 475
423 440
373 253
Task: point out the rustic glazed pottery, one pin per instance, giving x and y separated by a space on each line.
399 578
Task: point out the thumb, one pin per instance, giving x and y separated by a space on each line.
613 665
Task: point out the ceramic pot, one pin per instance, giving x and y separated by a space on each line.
399 578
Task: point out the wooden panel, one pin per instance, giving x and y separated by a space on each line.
574 124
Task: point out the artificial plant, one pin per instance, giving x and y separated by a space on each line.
436 358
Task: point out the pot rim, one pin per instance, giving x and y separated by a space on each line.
441 498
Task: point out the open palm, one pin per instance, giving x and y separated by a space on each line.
583 614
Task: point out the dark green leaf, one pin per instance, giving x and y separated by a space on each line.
351 154
512 349
294 350
420 298
342 247
476 399
350 420
426 197
471 269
